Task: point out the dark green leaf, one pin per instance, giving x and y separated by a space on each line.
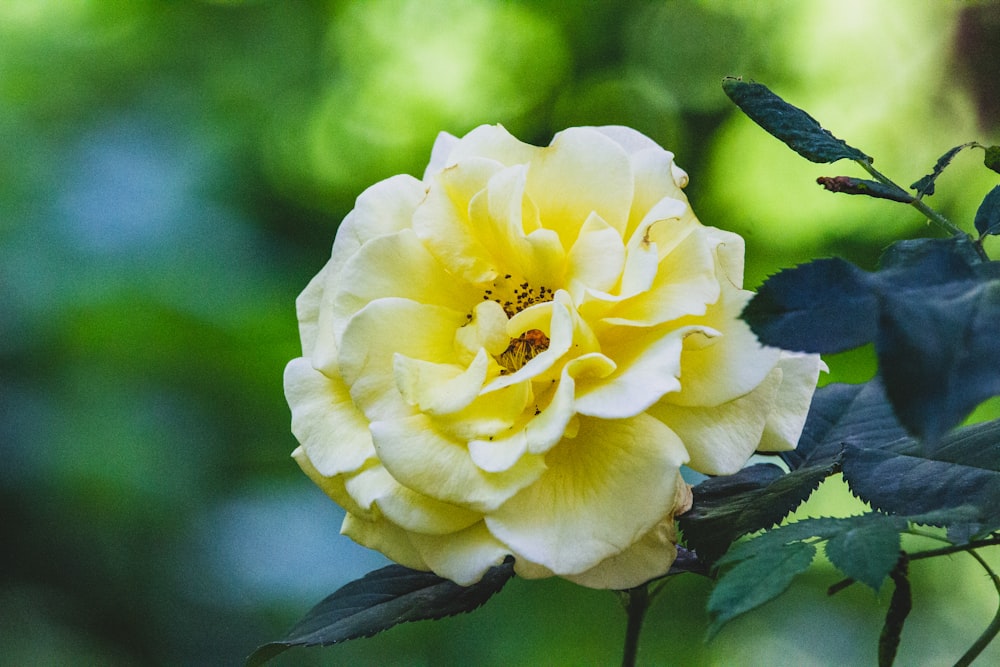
755 581
842 414
825 306
382 599
937 353
859 186
992 158
868 551
726 508
925 489
797 129
988 215
925 186
916 263
899 609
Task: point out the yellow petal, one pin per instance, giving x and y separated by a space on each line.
440 388
603 491
464 557
798 383
381 535
597 257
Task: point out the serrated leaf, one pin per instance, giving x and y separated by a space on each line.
868 551
793 126
925 489
937 353
382 599
752 582
925 185
726 508
988 215
849 185
842 414
824 306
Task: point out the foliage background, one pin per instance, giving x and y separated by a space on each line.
173 176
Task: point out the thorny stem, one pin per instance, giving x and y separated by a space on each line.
992 629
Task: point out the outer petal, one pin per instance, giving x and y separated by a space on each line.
723 367
333 433
426 461
493 142
798 383
462 557
385 537
721 438
603 491
650 557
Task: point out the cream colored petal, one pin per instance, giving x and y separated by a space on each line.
489 415
397 265
730 250
487 329
719 369
685 285
442 221
580 173
424 460
597 258
383 328
657 177
603 491
440 388
798 383
720 439
444 144
325 420
464 557
647 559
379 494
385 537
494 142
648 364
661 230
331 486
307 307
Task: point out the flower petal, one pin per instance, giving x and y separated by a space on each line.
462 557
721 438
385 537
493 142
596 259
798 383
439 388
422 459
333 433
603 490
581 172
648 558
378 331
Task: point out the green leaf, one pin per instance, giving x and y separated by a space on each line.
796 128
956 484
726 508
868 551
382 599
824 306
753 582
988 215
860 186
925 185
992 158
842 414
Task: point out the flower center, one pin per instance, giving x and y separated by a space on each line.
522 349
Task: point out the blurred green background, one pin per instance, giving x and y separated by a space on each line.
173 174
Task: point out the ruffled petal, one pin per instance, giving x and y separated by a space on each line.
581 172
325 420
800 373
721 438
440 389
493 142
385 537
424 460
596 259
602 492
378 331
462 557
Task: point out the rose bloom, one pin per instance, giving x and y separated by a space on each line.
517 354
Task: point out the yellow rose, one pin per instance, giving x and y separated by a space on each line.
516 354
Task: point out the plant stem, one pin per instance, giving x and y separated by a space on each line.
636 602
918 204
991 630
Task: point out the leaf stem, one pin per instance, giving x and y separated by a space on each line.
636 602
918 204
992 629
